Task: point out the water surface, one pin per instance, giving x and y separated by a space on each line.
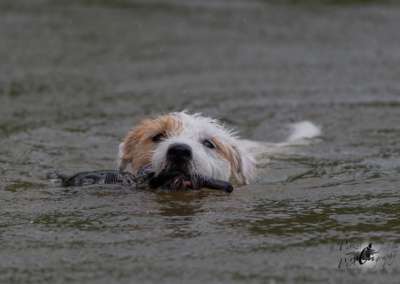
76 75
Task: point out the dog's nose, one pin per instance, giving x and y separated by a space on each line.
179 152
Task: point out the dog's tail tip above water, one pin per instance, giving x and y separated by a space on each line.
302 131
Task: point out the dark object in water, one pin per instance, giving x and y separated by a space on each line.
165 178
217 184
176 180
168 179
97 177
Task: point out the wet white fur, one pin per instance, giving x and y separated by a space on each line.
207 162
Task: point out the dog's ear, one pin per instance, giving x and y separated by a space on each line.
136 148
131 153
244 167
122 163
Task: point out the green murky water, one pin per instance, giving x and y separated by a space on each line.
76 75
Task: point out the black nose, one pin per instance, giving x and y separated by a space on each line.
179 153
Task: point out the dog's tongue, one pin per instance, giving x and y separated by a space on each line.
171 180
180 183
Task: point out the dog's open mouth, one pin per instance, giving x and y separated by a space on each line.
172 180
178 181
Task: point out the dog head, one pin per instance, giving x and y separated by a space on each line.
188 143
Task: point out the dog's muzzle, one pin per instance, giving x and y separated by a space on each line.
177 174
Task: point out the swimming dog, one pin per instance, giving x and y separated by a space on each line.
195 145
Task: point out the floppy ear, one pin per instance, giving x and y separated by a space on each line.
128 151
245 166
122 163
135 149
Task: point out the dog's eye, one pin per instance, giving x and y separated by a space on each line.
208 144
158 137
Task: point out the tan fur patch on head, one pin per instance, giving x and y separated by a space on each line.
228 152
139 144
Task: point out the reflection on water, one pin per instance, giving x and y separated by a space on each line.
76 75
